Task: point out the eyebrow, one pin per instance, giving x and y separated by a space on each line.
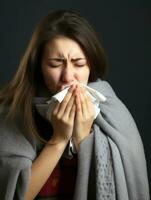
76 59
63 59
56 59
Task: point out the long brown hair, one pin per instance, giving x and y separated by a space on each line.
19 93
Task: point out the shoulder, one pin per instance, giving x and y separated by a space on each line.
114 112
104 87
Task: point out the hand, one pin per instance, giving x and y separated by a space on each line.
84 116
63 117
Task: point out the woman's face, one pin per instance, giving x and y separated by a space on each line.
63 63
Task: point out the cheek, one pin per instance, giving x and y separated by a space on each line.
83 75
51 78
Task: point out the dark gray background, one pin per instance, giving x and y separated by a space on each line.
125 28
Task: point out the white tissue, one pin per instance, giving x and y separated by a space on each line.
96 96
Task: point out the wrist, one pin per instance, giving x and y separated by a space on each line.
54 140
76 142
59 147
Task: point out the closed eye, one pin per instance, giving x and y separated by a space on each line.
80 65
55 62
79 62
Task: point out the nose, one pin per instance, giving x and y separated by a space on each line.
67 76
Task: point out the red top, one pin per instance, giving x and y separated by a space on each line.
61 182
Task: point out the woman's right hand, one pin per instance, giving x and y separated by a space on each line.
63 118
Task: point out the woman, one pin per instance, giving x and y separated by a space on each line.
106 159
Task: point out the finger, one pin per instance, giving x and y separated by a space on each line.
89 104
56 108
65 101
88 99
83 102
72 112
78 105
69 106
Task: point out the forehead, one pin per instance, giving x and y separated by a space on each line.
63 47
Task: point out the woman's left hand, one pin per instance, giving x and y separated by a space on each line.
84 116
